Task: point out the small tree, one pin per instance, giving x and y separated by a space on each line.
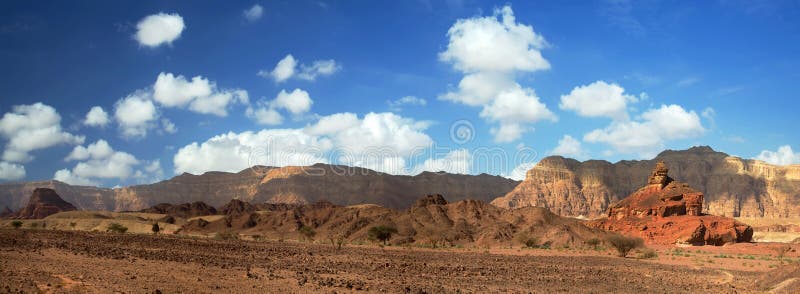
624 245
337 240
381 233
594 242
307 232
116 228
16 224
155 228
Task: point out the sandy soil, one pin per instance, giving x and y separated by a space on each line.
64 261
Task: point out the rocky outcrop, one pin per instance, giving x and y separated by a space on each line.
185 210
6 212
666 211
340 185
731 186
42 203
436 199
237 207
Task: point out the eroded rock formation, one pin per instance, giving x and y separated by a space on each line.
666 211
185 210
731 186
42 203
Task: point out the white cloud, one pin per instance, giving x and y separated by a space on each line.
458 161
157 29
168 127
397 105
200 94
287 68
784 156
296 102
569 147
135 114
100 161
647 135
598 99
264 115
96 117
380 141
32 127
253 13
66 176
495 44
519 172
11 171
490 51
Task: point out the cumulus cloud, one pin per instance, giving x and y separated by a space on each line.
490 51
598 99
569 147
96 117
458 161
495 44
519 172
288 68
200 94
397 105
11 171
253 13
647 134
100 161
135 114
158 29
379 141
296 102
32 127
783 156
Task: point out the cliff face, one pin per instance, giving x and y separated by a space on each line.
340 185
43 202
732 186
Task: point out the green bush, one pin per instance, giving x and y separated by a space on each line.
16 224
116 228
381 233
307 232
624 245
648 254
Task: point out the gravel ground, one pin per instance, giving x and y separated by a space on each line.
63 261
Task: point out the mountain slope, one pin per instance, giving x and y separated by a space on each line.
732 186
340 185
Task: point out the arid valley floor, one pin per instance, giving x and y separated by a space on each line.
53 261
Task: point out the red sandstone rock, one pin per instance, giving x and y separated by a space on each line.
43 202
666 212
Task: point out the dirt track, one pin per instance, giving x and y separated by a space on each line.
61 261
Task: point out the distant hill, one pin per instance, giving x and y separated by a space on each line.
341 185
733 187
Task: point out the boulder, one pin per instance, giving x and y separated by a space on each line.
43 202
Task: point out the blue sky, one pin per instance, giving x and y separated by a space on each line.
192 87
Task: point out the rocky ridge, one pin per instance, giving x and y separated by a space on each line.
42 203
732 186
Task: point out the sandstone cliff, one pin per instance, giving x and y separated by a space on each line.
732 186
43 202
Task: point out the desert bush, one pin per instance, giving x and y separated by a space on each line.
648 253
624 245
72 225
155 228
16 224
338 240
307 232
116 228
781 251
226 236
594 242
532 242
381 233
